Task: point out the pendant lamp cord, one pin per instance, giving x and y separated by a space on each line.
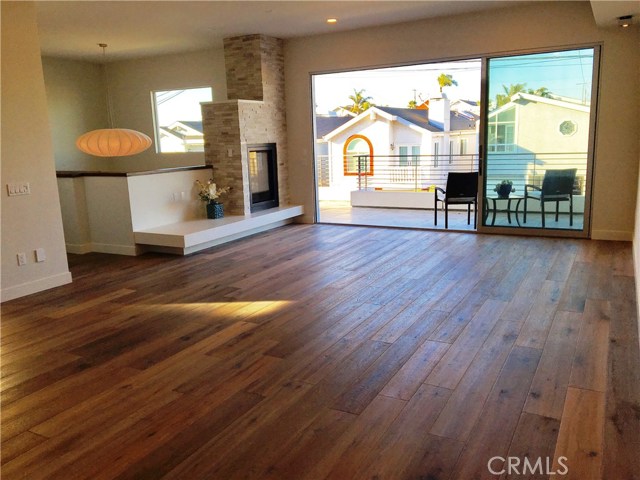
106 76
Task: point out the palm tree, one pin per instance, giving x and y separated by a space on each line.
541 92
412 104
446 80
360 103
510 91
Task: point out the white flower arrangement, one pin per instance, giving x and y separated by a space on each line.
209 192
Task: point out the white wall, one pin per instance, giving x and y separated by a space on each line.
75 218
29 221
76 100
546 120
109 215
471 36
131 83
77 103
166 198
100 213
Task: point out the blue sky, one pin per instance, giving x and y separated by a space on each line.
568 73
396 86
565 73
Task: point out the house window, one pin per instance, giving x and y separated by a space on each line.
436 153
409 155
463 146
178 119
450 152
502 131
358 155
568 128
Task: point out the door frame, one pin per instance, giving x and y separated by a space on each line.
482 150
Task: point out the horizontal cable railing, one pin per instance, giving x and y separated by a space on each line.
411 172
323 170
529 168
424 172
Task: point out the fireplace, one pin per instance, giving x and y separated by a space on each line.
263 176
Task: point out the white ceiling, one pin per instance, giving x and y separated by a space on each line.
607 12
134 29
144 28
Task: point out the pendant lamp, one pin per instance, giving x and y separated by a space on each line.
112 142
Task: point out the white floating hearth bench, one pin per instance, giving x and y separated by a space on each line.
129 213
184 238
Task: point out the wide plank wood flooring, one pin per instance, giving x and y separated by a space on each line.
329 352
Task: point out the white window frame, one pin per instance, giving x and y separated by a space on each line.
156 120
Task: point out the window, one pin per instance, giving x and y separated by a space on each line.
541 138
409 155
178 119
568 128
450 152
358 156
436 152
463 146
502 131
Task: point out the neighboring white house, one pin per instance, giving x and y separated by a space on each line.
324 125
400 148
561 138
182 136
466 107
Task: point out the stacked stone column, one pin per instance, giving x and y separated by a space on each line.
254 114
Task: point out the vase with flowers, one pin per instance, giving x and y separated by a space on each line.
210 193
504 188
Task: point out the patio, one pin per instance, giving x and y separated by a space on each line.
341 212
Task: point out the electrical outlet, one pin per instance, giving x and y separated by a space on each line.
22 188
22 259
40 255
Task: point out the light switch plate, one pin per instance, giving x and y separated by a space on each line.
22 188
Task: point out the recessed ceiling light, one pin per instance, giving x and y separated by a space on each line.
625 21
332 20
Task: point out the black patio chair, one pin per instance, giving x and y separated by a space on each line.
557 186
462 189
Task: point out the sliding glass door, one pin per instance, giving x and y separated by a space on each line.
538 141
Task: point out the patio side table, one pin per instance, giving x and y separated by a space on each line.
492 207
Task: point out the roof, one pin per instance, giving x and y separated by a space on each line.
413 118
326 124
170 133
193 124
421 119
416 116
523 99
463 121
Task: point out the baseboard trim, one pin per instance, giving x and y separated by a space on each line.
130 250
78 248
615 235
36 286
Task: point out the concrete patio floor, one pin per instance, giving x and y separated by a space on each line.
341 212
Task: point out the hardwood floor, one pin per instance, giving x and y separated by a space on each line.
313 352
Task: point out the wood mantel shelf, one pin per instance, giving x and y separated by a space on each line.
184 238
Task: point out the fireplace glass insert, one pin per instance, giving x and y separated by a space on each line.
263 176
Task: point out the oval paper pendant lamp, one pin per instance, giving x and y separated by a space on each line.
113 142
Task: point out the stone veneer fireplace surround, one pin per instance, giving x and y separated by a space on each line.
254 114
